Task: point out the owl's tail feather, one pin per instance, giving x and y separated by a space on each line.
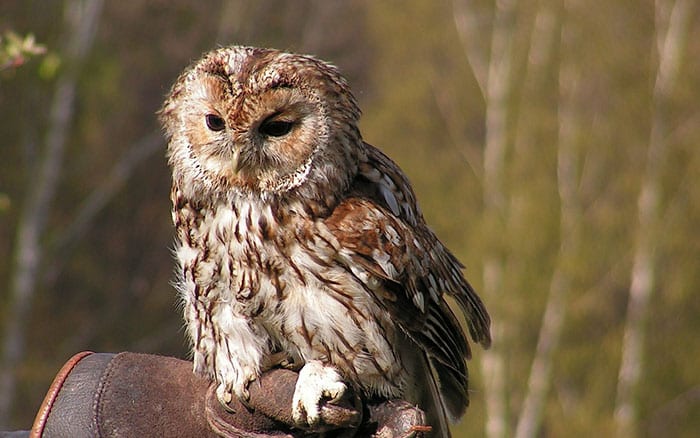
453 392
425 391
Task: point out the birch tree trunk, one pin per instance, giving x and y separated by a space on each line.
81 19
552 326
671 30
494 77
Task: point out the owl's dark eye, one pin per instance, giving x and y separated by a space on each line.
214 122
275 128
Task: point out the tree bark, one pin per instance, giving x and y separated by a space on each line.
81 19
671 30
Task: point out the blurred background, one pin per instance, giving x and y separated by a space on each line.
553 144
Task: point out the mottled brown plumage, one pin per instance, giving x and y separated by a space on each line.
300 243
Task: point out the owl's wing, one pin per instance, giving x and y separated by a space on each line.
386 244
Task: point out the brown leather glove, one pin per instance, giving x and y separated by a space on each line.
130 394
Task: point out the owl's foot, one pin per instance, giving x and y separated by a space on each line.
224 393
317 382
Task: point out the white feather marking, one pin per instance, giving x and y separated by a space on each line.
384 260
186 254
434 293
419 301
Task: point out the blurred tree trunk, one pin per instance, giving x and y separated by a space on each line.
570 235
81 18
672 25
493 74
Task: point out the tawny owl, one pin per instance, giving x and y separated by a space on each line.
297 240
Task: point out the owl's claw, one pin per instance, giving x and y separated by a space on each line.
316 383
225 395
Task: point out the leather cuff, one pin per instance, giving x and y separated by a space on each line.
131 394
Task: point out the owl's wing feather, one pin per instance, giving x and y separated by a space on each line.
382 181
386 243
376 247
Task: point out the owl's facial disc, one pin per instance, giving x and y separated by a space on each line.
257 121
263 140
280 137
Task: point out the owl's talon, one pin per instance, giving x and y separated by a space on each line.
244 399
224 396
317 382
290 365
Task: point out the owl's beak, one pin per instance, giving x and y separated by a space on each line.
235 162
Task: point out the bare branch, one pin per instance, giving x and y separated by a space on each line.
570 218
498 90
444 102
467 23
496 85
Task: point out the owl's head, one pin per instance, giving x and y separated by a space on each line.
259 122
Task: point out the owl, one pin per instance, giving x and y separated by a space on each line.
299 244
